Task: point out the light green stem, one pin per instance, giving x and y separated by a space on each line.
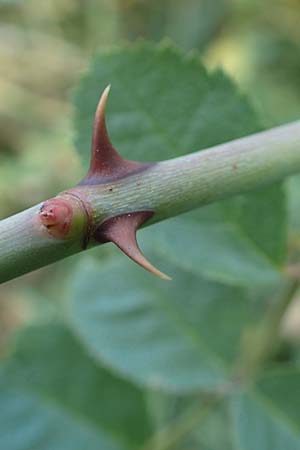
169 188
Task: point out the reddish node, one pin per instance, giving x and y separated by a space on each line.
56 215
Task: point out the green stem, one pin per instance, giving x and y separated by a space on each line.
169 188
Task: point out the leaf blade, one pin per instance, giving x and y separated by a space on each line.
65 401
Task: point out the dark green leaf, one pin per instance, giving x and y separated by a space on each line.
293 188
178 336
218 251
267 417
52 396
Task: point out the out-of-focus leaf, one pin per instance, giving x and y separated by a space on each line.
179 336
52 396
261 416
218 251
267 417
204 21
293 188
215 432
191 24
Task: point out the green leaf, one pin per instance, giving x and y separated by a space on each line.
164 104
293 188
261 416
52 396
267 417
197 33
215 432
178 336
218 251
223 242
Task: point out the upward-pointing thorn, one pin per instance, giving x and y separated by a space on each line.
106 163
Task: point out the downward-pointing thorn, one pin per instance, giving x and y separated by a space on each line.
121 230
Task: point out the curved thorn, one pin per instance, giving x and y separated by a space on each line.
106 163
121 230
132 250
100 135
104 157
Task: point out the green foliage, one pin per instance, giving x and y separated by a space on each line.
54 396
268 415
293 186
145 363
162 103
155 333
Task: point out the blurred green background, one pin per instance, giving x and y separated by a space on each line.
45 46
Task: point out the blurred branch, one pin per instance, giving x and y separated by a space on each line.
263 342
177 430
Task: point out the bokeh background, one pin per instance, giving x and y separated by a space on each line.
45 46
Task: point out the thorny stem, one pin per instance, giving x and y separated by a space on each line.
168 188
